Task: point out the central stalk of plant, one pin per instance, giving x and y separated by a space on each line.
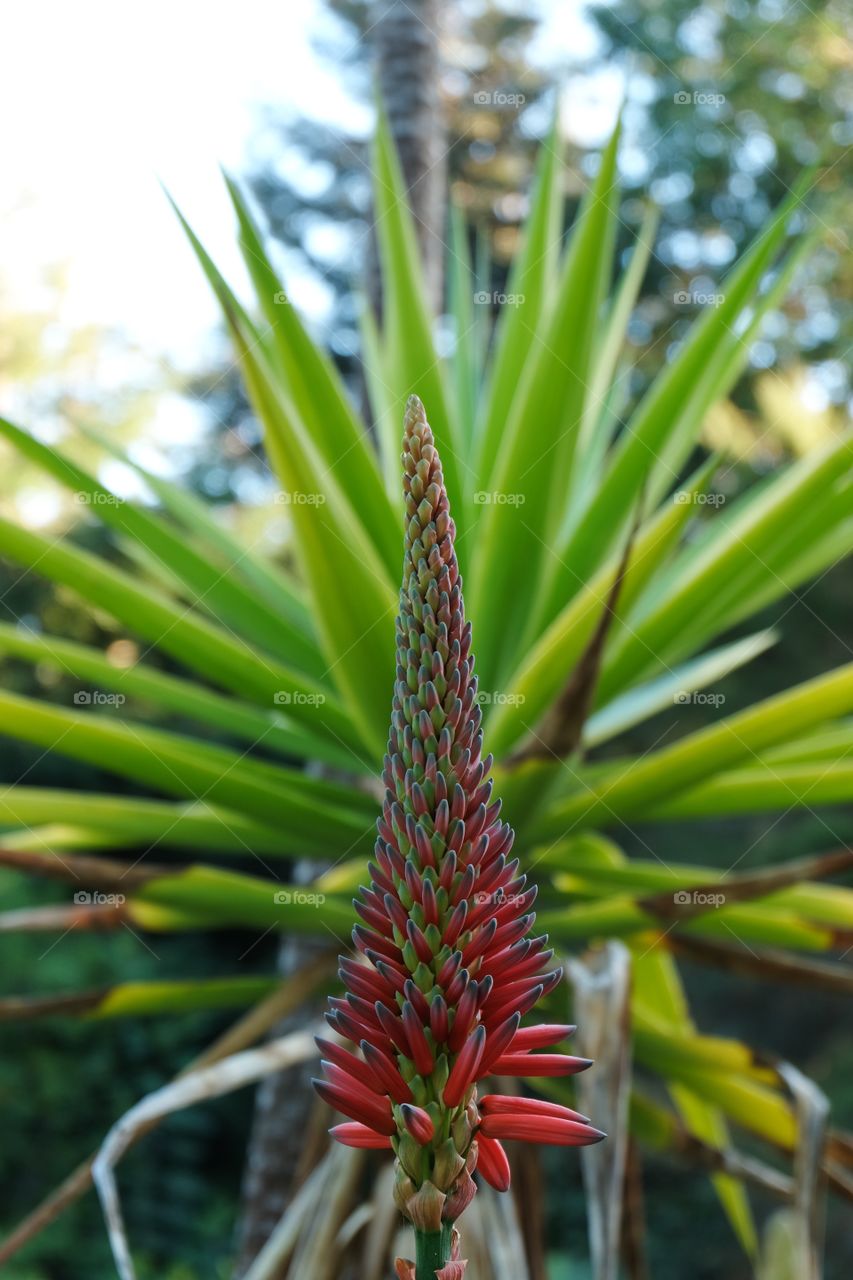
432 1251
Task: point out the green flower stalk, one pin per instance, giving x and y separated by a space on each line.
447 964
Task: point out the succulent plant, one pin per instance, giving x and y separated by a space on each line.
450 962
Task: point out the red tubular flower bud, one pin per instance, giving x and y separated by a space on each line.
421 1053
456 923
477 851
514 995
424 848
353 1134
466 1011
362 981
385 1070
428 901
373 916
492 1162
380 878
489 880
365 1010
363 1107
343 1078
511 932
366 940
463 890
498 1040
414 883
528 966
546 1129
539 1064
394 979
541 1037
396 912
419 1123
419 942
455 990
438 1020
480 943
349 1063
505 961
464 1070
520 1003
484 990
337 1053
499 1104
449 863
394 1029
347 1018
475 821
505 992
449 969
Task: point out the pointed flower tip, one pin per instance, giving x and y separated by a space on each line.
418 1122
414 411
353 1134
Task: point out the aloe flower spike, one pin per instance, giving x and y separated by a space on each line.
446 965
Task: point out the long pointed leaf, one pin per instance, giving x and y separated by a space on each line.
194 641
525 505
318 396
412 364
320 814
174 695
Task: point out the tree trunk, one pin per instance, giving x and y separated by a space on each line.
405 37
281 1144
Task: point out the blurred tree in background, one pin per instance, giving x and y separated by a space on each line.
726 105
730 103
312 180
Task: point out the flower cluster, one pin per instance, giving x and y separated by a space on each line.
446 965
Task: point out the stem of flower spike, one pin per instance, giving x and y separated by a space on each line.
432 1250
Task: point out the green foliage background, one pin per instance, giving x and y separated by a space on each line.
63 1082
